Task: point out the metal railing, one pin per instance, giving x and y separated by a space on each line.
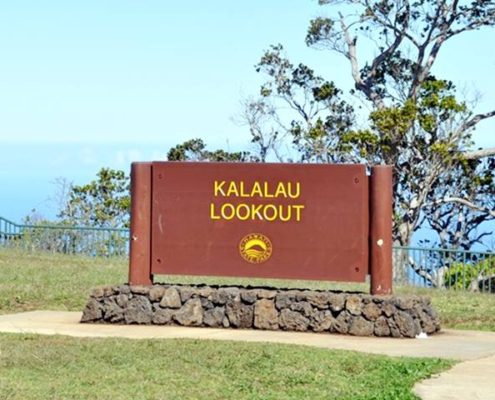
444 268
413 266
66 239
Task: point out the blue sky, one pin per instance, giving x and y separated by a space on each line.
87 84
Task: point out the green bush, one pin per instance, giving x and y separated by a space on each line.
462 276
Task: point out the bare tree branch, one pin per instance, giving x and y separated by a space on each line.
398 31
421 271
351 55
424 71
477 154
464 202
473 25
477 119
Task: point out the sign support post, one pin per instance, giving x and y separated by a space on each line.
381 230
140 247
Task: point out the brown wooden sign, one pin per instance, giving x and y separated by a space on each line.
291 221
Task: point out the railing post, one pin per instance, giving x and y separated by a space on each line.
140 237
381 198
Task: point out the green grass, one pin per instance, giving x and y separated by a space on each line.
36 281
464 310
44 281
56 367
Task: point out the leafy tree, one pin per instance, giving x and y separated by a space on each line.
104 202
416 122
195 150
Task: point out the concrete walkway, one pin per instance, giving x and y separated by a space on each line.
471 380
467 380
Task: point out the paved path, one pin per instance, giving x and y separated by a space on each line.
471 380
468 380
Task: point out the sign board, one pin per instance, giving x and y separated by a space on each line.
288 221
260 220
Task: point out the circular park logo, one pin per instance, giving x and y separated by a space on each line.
255 248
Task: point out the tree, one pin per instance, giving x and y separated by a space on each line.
416 122
195 150
460 202
104 202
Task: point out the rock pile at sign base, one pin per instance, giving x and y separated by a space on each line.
263 308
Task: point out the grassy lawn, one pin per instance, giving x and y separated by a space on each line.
57 282
42 281
460 309
56 367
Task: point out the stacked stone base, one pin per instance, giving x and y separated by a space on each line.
263 308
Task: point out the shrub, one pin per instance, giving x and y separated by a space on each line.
469 276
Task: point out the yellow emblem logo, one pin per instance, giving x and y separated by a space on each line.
255 248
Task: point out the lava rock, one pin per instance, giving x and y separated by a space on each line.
293 321
92 311
353 304
214 317
265 315
171 298
240 315
138 311
190 314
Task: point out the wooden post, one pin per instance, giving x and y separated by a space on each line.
140 246
381 198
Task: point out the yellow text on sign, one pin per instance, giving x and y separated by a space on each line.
259 190
262 212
